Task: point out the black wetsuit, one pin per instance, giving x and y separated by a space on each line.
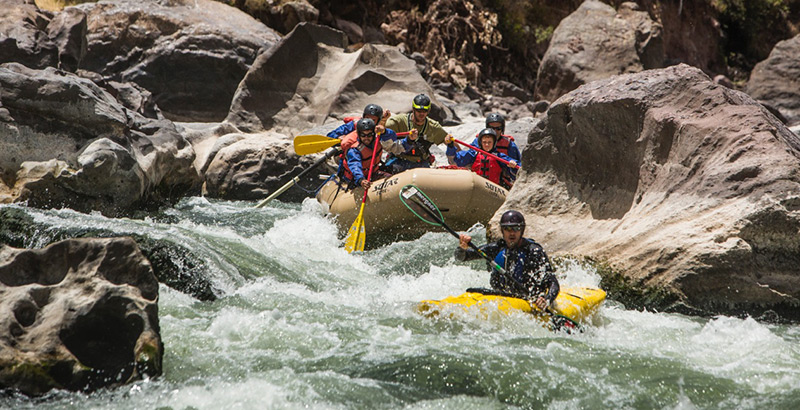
529 273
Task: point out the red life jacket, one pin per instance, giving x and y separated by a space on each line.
503 143
487 167
351 141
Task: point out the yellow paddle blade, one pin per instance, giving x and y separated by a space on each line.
312 144
356 235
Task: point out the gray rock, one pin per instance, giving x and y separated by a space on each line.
79 315
775 82
190 55
680 183
23 36
597 42
251 166
69 143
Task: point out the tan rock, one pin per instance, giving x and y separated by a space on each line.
681 183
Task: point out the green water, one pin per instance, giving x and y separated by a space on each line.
303 324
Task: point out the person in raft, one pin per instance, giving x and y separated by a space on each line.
482 164
358 148
529 273
371 111
505 144
424 132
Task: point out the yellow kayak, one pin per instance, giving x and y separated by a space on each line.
571 308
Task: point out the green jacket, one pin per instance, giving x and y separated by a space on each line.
431 132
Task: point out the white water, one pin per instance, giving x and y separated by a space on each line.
303 324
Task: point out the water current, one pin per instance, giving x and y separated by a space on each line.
303 324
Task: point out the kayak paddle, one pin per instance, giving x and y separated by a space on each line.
420 204
356 236
487 153
330 153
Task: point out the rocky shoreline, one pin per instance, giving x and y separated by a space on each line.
677 184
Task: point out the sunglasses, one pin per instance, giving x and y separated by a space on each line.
420 109
367 135
497 128
515 228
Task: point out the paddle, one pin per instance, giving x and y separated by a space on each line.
330 153
487 153
415 200
312 144
356 236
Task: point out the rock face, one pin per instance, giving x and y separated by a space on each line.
69 143
597 42
190 54
776 80
78 315
309 76
679 182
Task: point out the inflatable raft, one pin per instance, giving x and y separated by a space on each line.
574 304
464 198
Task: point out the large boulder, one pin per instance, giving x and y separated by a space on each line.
80 314
775 81
597 42
681 184
251 166
190 54
69 143
309 75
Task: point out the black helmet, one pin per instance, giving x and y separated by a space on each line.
495 117
512 218
421 102
365 124
487 131
373 109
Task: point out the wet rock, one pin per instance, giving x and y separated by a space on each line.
286 91
597 42
174 265
663 174
78 315
776 81
190 55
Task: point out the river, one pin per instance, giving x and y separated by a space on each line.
303 324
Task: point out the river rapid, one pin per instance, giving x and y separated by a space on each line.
303 324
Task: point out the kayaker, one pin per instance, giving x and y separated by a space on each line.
371 111
424 132
482 164
357 153
505 144
529 273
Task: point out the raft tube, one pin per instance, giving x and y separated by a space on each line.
464 198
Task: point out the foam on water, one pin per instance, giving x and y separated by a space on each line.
302 323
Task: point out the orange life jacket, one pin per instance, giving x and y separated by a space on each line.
351 141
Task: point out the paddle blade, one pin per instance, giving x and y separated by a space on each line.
356 236
420 205
312 144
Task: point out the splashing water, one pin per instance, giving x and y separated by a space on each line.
303 324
